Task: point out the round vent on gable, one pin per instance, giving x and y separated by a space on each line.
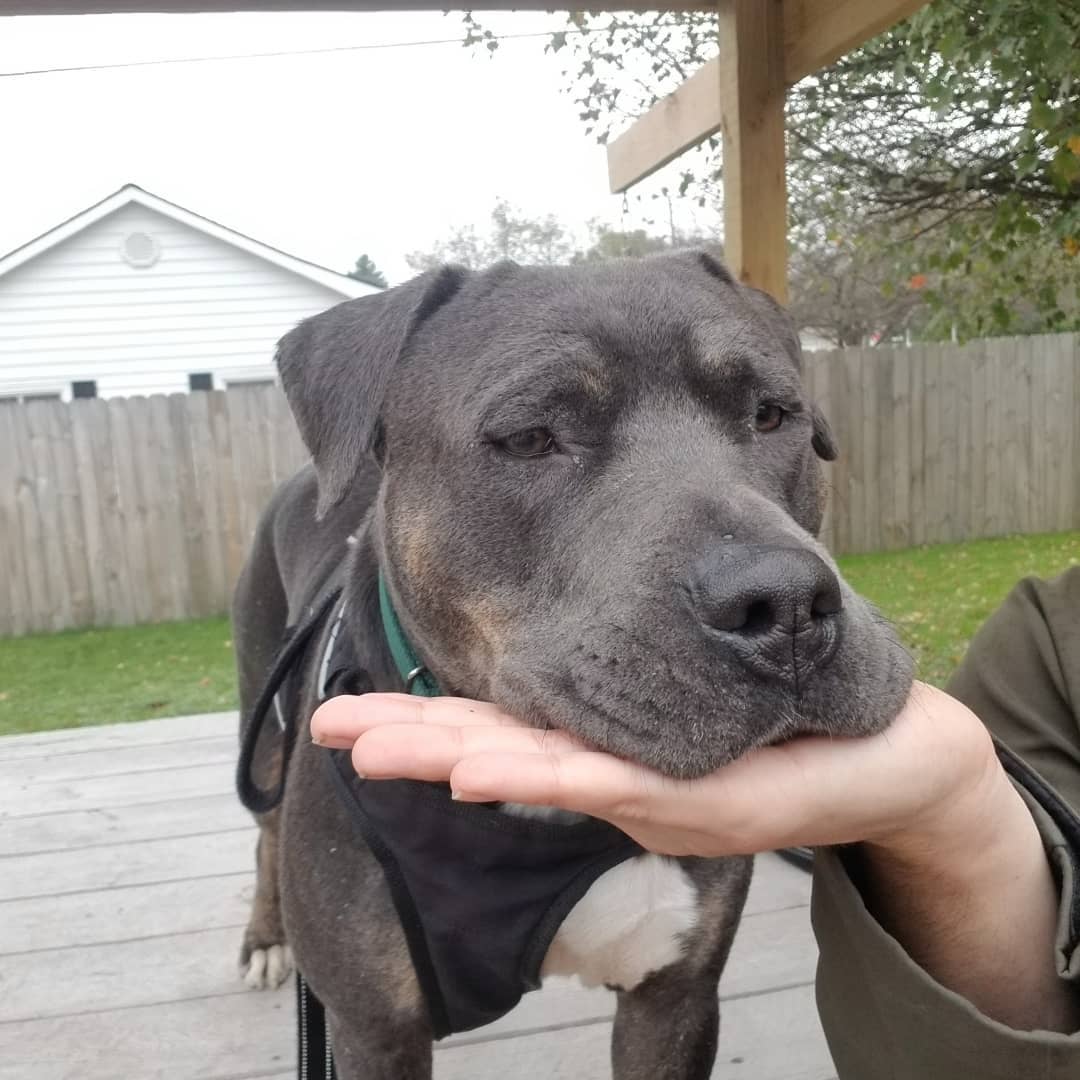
140 249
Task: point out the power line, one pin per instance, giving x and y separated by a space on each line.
282 52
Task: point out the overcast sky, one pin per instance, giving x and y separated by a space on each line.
379 151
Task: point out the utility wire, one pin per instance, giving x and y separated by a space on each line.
283 52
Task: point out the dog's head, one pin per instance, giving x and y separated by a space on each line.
599 500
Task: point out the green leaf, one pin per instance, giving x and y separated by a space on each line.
1042 116
1065 168
951 43
1026 164
954 260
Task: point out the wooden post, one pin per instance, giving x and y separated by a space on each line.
752 93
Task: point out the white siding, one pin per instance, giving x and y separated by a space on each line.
80 311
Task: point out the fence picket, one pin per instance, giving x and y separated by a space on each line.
15 595
126 448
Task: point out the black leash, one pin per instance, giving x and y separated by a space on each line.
256 799
314 1057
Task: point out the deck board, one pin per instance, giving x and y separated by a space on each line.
89 828
125 875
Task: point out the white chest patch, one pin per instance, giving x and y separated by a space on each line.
632 922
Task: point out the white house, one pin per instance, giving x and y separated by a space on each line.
136 295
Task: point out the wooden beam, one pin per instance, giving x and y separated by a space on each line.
668 129
684 118
752 90
816 32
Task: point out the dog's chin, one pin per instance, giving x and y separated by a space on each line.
693 731
681 741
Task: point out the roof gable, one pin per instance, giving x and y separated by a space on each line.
131 193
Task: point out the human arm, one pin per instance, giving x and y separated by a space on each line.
987 877
877 991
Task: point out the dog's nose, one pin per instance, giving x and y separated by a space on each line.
773 605
754 589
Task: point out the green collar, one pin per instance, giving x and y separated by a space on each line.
410 667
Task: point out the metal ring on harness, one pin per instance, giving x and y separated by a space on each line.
410 679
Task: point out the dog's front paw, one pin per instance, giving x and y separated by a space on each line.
265 968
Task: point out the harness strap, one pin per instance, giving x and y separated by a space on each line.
256 799
315 1055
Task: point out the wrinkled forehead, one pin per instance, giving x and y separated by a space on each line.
633 319
605 335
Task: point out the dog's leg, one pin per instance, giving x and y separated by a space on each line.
383 1047
259 616
666 1028
265 960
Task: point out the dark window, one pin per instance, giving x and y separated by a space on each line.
84 388
201 380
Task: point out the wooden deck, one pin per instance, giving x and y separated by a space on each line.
125 873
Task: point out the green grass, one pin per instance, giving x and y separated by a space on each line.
937 597
124 673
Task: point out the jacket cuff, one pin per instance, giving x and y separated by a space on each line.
885 1016
1059 827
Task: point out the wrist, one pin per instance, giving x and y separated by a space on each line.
963 806
977 909
966 837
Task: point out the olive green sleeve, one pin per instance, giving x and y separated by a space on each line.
883 1015
1021 677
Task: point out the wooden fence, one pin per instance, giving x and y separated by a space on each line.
943 443
141 509
134 509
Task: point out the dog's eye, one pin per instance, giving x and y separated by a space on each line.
769 416
532 442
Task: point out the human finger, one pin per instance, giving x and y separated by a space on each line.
810 791
572 778
430 752
339 722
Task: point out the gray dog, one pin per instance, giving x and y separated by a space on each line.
590 495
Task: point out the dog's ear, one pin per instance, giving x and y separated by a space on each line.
336 368
822 440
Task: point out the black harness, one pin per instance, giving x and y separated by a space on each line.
480 893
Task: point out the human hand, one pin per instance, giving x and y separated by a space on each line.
922 784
